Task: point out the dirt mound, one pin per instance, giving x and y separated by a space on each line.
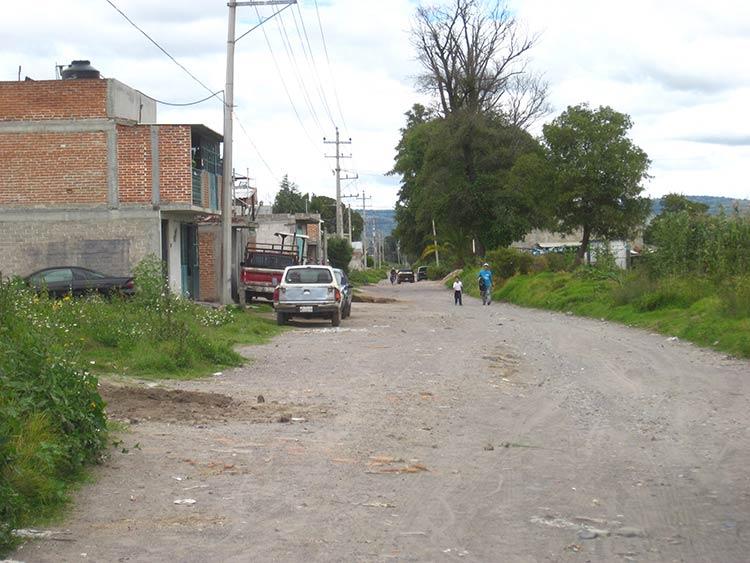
136 404
364 298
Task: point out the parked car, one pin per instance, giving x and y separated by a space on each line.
64 280
346 292
422 273
308 292
404 275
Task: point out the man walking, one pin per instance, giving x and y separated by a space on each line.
458 288
485 283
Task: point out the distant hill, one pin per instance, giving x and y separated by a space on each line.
383 219
715 204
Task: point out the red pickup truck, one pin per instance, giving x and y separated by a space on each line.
264 264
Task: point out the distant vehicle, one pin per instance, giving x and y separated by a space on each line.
346 292
72 280
308 292
263 265
404 275
422 273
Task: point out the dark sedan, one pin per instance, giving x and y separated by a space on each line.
66 280
404 275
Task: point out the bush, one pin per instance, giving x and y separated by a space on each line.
339 253
52 421
506 262
735 297
435 272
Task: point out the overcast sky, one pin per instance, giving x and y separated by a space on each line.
679 67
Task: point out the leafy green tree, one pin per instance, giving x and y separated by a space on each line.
672 204
288 198
326 207
597 173
339 253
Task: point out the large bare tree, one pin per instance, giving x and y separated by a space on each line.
476 60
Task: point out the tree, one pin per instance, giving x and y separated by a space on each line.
326 207
597 173
674 203
339 253
288 198
475 59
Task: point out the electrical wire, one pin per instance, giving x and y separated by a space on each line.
330 70
213 94
311 62
182 104
298 75
283 83
255 148
163 50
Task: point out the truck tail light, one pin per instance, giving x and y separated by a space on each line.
337 293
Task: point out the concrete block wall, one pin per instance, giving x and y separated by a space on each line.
105 240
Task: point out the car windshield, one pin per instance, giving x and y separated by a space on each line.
406 270
308 275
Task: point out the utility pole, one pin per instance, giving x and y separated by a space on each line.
225 291
350 213
434 240
337 171
364 227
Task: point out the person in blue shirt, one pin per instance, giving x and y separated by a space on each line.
485 283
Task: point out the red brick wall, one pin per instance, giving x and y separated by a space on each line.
175 168
53 99
134 163
207 264
53 168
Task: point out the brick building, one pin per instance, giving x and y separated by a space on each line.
88 178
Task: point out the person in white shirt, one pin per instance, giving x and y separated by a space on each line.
458 288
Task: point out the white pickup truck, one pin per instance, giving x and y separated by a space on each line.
308 292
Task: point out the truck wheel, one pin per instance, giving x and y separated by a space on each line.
336 318
280 318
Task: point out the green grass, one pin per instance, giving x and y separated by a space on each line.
368 276
52 420
693 309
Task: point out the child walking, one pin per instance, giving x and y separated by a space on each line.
458 288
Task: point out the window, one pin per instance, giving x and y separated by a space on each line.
309 275
59 275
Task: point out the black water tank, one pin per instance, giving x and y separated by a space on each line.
79 69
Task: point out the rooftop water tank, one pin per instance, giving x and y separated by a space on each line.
79 69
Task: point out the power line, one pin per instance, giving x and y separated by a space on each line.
182 104
311 61
330 70
298 75
255 148
162 49
283 83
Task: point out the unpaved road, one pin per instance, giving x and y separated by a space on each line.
421 431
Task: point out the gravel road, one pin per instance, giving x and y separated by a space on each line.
423 431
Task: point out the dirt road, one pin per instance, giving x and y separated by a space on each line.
422 431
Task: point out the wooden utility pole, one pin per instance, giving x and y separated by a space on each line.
225 286
364 227
338 156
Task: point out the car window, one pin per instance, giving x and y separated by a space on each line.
88 274
57 276
340 278
309 275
